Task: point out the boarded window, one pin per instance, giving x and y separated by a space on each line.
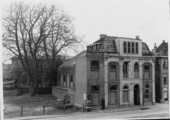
113 72
147 72
113 94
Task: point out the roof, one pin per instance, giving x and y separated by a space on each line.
114 37
72 60
145 49
163 46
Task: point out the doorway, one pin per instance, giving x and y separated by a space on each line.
136 95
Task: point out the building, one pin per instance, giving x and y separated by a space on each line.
8 80
161 72
115 70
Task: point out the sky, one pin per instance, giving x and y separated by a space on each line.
148 19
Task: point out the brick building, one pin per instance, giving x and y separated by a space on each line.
161 72
116 70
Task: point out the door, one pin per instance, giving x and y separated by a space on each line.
136 95
95 98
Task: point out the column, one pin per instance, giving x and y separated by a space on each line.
153 82
106 81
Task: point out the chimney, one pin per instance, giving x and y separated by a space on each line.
103 35
155 46
137 38
163 41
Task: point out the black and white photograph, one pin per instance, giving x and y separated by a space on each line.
84 59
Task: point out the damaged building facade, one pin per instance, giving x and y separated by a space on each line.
115 70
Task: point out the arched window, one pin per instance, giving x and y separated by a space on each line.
125 69
125 94
136 70
147 87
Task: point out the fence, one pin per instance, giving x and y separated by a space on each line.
41 110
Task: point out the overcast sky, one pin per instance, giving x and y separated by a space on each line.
123 18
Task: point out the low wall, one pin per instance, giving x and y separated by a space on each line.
61 92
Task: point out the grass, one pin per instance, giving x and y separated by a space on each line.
31 106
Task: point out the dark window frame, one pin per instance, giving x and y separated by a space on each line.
98 86
92 65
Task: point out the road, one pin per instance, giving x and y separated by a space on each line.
109 114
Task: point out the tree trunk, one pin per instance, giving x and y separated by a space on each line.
32 88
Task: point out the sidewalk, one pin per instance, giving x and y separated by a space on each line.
89 113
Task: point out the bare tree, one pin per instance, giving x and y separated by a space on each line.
32 32
60 39
23 36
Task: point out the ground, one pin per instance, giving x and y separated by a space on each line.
31 105
33 108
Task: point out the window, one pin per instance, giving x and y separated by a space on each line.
164 64
165 80
125 69
136 70
136 47
71 80
129 47
95 65
113 87
113 94
124 47
125 94
64 81
147 72
133 48
113 73
95 88
146 91
61 80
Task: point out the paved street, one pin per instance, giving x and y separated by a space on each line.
156 110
